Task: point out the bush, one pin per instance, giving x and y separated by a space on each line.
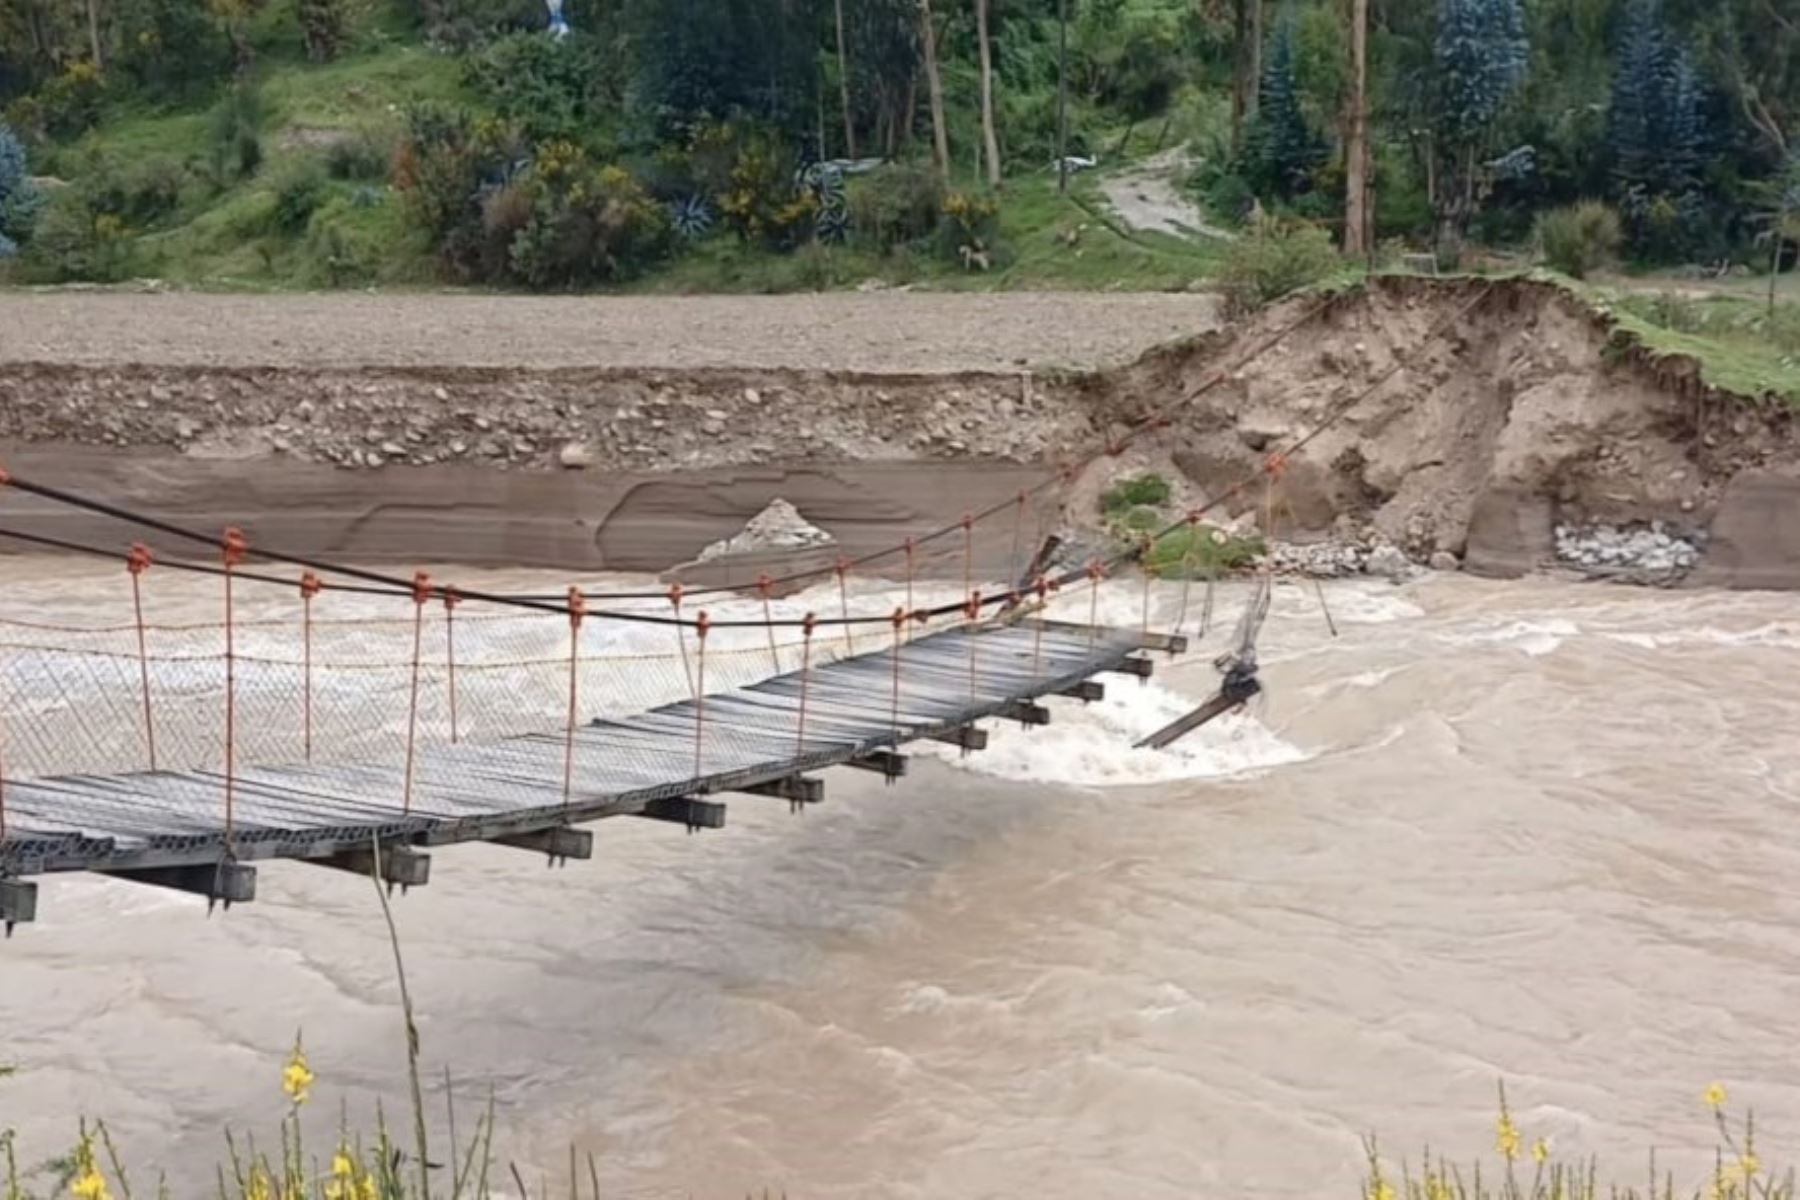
364 156
550 89
172 49
1147 490
1275 258
587 224
1580 238
75 241
895 205
970 230
66 106
142 195
236 134
447 168
750 173
1203 552
298 193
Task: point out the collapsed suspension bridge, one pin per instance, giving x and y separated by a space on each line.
343 740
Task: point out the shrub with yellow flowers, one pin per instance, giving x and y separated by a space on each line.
1737 1172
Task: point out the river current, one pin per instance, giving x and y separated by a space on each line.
1537 832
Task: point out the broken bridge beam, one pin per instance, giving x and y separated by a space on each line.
1024 712
1172 643
1233 695
18 903
401 865
685 810
883 762
966 736
795 789
1085 691
559 844
1143 668
226 883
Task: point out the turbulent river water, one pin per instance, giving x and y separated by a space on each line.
1536 832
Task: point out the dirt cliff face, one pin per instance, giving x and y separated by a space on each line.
1516 408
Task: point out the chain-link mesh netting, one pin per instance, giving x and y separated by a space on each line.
83 699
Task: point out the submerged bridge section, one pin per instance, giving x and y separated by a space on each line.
203 830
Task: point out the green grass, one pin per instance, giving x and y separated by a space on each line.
1741 346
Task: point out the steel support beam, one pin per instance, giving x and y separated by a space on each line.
882 762
682 810
966 736
1143 668
1024 712
400 865
18 903
1172 643
559 844
795 789
225 882
1085 691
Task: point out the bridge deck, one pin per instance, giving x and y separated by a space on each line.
168 821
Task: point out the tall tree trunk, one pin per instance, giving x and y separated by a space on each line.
844 84
1357 192
93 22
909 110
1062 95
940 140
988 141
1248 75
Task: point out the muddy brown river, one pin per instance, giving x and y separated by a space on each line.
1536 831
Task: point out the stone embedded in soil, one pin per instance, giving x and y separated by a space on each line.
777 527
1650 551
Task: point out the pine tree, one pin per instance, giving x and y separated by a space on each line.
1656 135
1282 149
1480 57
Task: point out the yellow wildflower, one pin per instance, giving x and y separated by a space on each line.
1714 1096
1749 1165
1506 1136
87 1183
1540 1151
258 1186
1381 1189
297 1077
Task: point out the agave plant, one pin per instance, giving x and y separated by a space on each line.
825 183
691 216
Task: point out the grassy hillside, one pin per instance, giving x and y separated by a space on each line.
319 208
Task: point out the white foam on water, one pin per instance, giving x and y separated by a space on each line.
1535 638
1091 745
1778 635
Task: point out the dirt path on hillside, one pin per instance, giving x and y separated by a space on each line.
1147 198
911 332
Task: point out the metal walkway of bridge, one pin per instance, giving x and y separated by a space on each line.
168 827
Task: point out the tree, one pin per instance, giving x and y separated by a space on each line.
1357 193
1655 134
1281 148
843 62
934 82
990 143
1247 68
1481 56
20 199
